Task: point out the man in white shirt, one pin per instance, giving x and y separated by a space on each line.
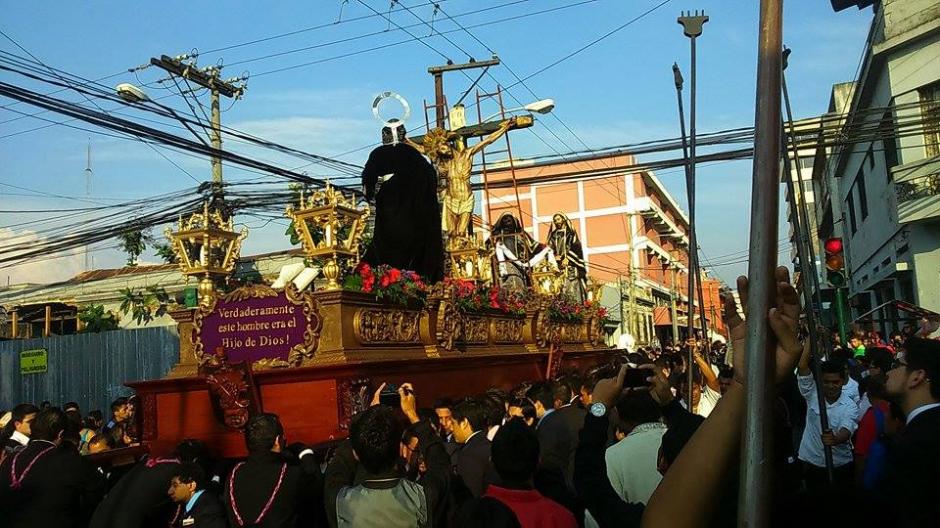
632 461
706 389
843 420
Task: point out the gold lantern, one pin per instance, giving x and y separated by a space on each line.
330 225
206 245
546 279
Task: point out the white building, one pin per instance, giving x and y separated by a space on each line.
880 186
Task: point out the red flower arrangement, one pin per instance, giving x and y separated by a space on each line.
473 298
386 282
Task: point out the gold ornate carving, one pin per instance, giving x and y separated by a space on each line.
476 330
311 309
382 326
508 330
258 291
301 351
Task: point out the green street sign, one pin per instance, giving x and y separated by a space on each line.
33 361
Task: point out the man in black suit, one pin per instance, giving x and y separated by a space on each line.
16 433
46 484
472 460
571 414
556 447
198 507
913 464
269 489
139 498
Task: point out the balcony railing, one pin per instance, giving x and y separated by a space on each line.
917 188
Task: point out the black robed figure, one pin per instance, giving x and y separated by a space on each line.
407 231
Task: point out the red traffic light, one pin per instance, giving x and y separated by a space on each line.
833 245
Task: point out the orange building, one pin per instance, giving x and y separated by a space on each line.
633 232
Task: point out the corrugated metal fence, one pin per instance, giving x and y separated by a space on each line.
87 368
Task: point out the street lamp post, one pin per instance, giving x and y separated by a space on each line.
692 28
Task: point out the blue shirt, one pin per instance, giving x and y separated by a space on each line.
192 500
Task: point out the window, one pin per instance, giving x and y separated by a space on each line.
806 162
850 206
862 194
930 113
889 141
871 157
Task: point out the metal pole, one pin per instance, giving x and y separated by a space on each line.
804 248
690 190
754 497
800 226
692 28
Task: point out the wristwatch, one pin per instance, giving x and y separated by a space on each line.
598 409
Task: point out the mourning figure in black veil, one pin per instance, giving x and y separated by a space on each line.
407 231
515 251
564 241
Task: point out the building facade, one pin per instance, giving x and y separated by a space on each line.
634 234
881 179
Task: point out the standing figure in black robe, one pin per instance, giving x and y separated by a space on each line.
407 231
515 252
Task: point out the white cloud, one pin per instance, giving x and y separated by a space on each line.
44 270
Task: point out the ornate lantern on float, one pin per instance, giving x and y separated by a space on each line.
547 280
330 225
206 245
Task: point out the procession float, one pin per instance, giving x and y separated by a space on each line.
396 287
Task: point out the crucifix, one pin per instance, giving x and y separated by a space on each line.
453 160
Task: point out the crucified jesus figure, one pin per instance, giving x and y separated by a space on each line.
454 163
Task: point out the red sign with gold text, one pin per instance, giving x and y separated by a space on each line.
257 323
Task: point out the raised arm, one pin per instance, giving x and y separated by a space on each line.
503 128
691 489
417 146
710 378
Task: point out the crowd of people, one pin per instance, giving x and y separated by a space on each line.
647 438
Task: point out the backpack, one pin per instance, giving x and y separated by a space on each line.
876 461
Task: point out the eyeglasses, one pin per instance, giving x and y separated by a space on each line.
898 363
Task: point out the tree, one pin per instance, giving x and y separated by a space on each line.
95 319
165 251
134 243
145 306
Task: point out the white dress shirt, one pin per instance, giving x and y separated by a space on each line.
843 414
19 438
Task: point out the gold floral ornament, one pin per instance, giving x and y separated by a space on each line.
206 245
330 225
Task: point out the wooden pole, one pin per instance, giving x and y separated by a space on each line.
47 323
755 494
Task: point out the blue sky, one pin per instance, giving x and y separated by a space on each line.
618 91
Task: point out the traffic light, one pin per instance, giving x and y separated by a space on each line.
835 262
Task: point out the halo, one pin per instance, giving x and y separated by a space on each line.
395 121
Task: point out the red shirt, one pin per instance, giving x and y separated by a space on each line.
868 429
532 509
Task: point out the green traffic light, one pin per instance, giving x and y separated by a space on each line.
835 278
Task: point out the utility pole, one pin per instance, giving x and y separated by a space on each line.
623 322
88 175
672 303
209 78
632 326
438 73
